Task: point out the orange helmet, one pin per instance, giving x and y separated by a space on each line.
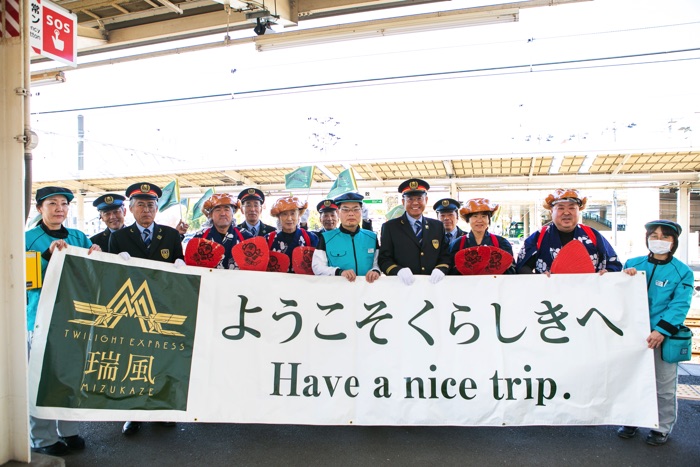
220 199
564 194
477 205
288 203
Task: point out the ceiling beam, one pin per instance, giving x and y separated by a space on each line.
183 181
621 164
325 171
372 172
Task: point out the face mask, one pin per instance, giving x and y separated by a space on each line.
659 247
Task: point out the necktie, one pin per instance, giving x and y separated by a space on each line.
253 231
448 237
419 231
147 237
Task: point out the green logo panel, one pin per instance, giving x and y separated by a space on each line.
120 338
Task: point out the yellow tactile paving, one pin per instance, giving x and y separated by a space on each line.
688 391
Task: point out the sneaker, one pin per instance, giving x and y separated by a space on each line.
627 432
57 449
74 443
656 438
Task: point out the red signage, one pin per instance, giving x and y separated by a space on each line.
53 32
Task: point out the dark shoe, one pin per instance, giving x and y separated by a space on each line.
131 428
57 449
656 438
74 443
627 432
167 423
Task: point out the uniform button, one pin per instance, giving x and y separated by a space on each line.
421 253
422 269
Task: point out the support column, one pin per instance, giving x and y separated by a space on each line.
683 216
14 429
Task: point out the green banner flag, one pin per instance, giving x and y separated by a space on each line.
197 208
343 184
300 178
170 196
396 211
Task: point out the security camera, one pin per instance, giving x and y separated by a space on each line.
260 28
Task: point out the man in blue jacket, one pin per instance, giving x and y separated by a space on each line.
349 250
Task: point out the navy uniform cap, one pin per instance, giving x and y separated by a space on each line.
327 205
447 205
663 222
251 193
45 192
414 185
351 197
109 202
144 190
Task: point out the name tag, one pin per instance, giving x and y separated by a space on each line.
370 250
661 283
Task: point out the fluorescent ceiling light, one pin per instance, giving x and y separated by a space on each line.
42 79
385 27
234 4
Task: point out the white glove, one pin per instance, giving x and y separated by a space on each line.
436 276
178 263
406 276
125 256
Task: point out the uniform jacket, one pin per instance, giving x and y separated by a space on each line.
264 229
102 239
165 245
400 247
670 285
459 233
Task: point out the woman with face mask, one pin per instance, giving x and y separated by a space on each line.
670 286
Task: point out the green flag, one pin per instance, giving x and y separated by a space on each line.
343 184
396 211
197 208
300 178
170 196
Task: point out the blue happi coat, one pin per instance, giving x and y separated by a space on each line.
601 252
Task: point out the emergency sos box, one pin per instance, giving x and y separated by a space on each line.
33 270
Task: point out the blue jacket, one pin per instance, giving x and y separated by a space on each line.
39 239
670 286
354 251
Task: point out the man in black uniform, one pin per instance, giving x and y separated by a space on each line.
148 240
112 210
446 210
144 238
413 244
252 201
328 213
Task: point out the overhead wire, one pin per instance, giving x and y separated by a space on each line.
585 63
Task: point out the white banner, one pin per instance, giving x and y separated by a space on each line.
283 348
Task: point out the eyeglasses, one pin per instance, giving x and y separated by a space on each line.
351 210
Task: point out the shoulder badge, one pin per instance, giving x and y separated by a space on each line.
165 253
436 244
